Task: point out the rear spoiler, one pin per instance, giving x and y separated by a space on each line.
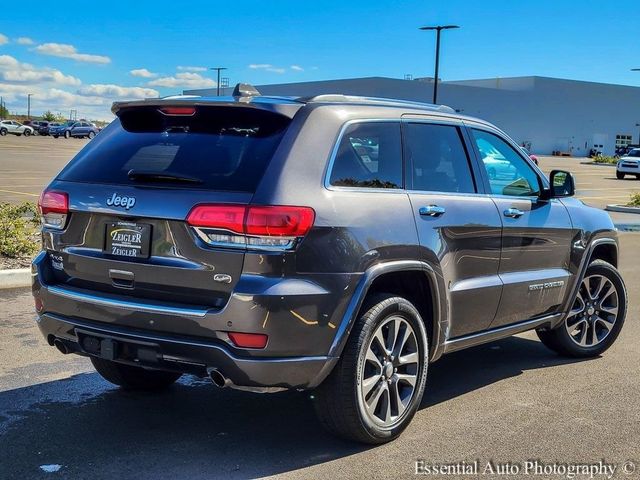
282 106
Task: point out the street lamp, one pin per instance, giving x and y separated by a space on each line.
218 69
638 125
29 95
438 29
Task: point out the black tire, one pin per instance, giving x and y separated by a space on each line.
637 177
619 175
27 133
55 136
338 402
133 378
67 134
560 340
91 135
3 131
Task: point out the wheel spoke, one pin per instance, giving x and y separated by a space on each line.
372 358
608 325
578 305
407 359
372 403
368 384
573 327
401 339
395 394
379 338
583 335
606 292
610 310
387 406
407 378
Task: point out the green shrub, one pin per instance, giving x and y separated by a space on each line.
19 230
605 159
634 200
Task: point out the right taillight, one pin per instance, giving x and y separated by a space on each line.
252 226
54 208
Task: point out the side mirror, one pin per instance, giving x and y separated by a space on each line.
562 184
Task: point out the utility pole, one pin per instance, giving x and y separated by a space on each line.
218 69
29 95
638 125
438 29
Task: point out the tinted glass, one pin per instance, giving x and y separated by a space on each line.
436 159
369 156
509 173
634 153
220 150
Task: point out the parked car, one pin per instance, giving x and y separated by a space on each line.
15 128
45 130
247 239
533 157
75 129
629 164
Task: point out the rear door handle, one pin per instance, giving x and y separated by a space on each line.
431 211
513 213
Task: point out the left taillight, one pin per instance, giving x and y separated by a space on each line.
54 209
251 226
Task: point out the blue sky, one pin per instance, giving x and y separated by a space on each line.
83 57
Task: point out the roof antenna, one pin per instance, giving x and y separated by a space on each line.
245 90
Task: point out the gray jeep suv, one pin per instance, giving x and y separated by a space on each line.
335 243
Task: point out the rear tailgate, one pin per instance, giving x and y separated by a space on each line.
131 189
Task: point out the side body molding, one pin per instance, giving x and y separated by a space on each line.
439 314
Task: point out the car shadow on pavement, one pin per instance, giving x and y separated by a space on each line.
195 430
461 372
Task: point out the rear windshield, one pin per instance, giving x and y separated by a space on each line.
217 148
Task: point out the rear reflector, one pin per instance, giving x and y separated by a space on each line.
248 340
251 225
178 111
53 207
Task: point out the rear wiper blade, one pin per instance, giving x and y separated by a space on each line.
143 175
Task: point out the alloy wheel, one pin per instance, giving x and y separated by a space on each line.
594 312
390 370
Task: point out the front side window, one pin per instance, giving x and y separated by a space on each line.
369 156
508 172
436 159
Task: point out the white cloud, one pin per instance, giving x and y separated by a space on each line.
143 72
69 51
185 79
192 69
3 39
13 71
297 68
116 91
24 41
266 67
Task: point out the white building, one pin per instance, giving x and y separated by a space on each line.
547 114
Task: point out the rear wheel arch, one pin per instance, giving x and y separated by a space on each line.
413 280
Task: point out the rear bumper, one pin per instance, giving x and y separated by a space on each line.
628 169
187 355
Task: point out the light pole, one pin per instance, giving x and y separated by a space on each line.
438 29
29 95
218 69
638 125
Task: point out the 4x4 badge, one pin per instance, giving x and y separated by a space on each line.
118 201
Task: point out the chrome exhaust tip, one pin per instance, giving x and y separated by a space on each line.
218 379
60 345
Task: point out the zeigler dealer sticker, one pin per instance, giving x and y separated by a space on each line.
528 468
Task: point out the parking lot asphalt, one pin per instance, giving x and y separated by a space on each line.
508 401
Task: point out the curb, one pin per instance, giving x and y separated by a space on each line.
599 164
15 278
622 209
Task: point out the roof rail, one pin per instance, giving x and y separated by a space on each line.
339 98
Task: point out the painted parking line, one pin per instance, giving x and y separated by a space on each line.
20 193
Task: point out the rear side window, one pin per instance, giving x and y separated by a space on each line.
369 156
436 159
217 148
